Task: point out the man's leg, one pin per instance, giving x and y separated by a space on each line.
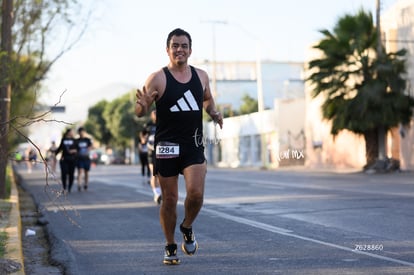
168 209
142 161
63 173
72 167
194 176
86 171
80 172
86 177
168 217
155 185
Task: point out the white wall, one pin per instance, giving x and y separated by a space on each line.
263 139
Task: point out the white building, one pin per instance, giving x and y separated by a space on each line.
270 138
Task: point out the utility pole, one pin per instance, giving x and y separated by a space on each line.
378 19
5 89
214 61
214 78
381 130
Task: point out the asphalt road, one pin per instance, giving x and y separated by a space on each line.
253 222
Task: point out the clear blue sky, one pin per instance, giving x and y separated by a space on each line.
125 40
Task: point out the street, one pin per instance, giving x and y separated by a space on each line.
253 222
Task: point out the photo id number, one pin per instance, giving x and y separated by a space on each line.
369 247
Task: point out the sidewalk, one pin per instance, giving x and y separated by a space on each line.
14 251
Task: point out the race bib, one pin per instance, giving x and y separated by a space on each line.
167 150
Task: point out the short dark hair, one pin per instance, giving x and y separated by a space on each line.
178 32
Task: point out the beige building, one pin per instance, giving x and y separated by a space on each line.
348 149
397 26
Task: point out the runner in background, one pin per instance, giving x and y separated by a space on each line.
84 145
151 128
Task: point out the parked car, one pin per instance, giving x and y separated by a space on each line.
98 157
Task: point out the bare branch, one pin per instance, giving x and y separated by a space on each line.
54 195
68 48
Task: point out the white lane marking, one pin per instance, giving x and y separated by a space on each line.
259 225
316 186
289 233
270 228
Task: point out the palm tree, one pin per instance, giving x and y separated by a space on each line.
363 91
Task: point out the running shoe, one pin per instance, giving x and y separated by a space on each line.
170 255
190 245
157 199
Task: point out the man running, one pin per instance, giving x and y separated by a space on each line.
151 129
180 92
84 145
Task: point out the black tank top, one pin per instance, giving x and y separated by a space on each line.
180 110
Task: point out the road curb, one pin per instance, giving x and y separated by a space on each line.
14 250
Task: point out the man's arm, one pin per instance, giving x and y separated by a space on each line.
143 102
59 148
147 95
209 104
90 145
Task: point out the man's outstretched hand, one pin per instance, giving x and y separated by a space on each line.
144 99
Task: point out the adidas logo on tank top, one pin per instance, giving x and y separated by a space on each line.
185 104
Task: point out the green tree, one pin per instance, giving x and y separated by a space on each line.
96 124
37 24
363 91
29 28
114 123
121 121
24 107
5 88
249 105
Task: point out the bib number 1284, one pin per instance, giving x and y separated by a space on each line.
164 150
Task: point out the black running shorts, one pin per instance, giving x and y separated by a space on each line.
188 155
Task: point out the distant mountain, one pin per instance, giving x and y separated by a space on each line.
108 92
77 106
